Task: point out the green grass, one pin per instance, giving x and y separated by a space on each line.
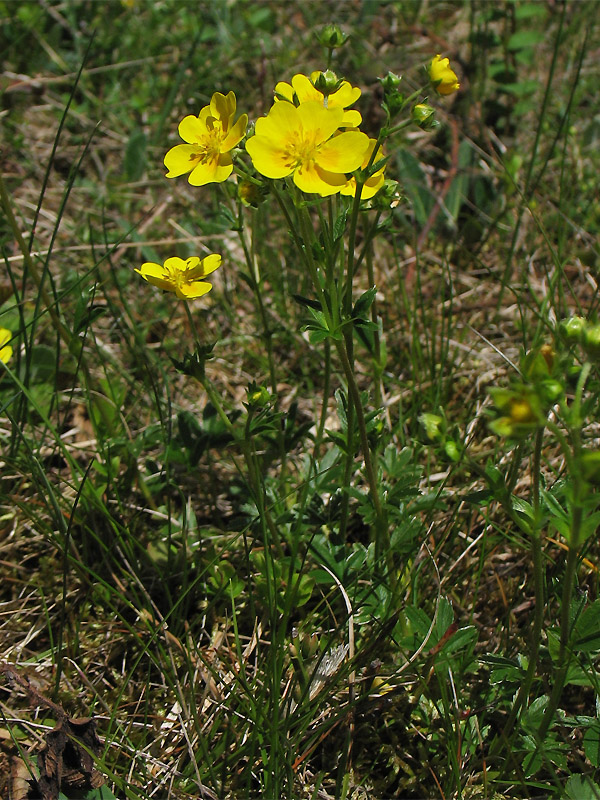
241 603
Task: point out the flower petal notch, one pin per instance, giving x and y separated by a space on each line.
210 137
183 277
299 141
442 76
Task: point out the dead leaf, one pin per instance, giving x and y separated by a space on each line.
67 760
21 780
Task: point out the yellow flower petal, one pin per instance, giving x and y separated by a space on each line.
191 290
155 274
352 119
345 96
200 269
6 350
236 134
213 170
269 159
305 91
285 90
280 124
314 180
192 129
181 159
321 122
343 153
222 107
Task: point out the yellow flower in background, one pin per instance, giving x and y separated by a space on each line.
185 278
210 138
302 90
443 78
6 350
297 141
373 184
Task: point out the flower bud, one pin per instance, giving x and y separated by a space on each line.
258 396
573 329
332 36
432 424
391 82
443 79
252 194
591 341
327 82
548 354
424 116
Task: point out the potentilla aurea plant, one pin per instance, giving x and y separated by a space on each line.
310 141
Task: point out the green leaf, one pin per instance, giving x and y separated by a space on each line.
586 635
529 10
523 39
522 507
457 193
591 743
580 787
134 163
414 183
364 302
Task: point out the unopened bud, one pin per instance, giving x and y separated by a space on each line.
327 82
424 116
332 36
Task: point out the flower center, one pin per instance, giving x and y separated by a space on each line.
175 276
209 146
302 149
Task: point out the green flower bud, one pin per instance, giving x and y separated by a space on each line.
388 196
521 411
252 194
258 396
393 99
391 82
573 329
452 450
550 391
327 82
591 341
424 116
432 424
332 36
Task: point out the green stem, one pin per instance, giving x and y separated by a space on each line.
540 602
381 529
377 366
245 445
572 458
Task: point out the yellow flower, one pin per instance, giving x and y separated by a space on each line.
443 78
298 141
210 137
6 350
185 278
302 90
373 184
